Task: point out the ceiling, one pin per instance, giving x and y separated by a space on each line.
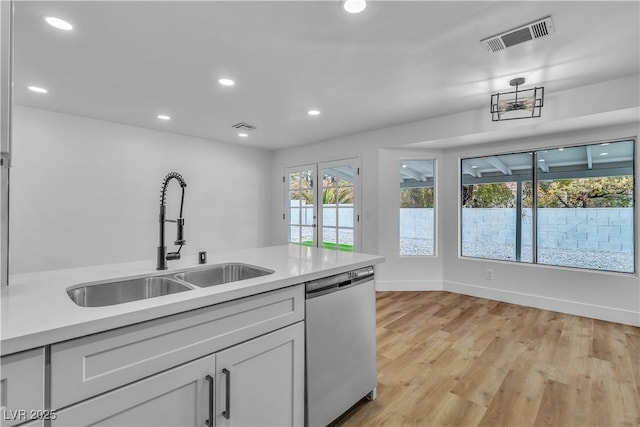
608 158
416 171
395 63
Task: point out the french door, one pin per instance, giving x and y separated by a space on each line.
322 205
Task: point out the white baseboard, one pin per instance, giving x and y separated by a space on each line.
409 285
593 311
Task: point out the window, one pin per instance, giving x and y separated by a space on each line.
417 225
579 213
496 214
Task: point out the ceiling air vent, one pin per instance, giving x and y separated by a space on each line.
534 30
244 126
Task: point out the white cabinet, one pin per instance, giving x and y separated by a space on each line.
256 383
22 388
261 382
85 367
181 396
239 363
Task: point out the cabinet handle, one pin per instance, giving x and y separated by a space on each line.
227 405
210 422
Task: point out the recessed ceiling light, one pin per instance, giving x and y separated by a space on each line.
474 167
58 23
605 143
560 149
404 166
542 160
226 82
354 6
38 89
164 117
313 112
243 135
603 154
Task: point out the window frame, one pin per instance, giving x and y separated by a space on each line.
534 207
434 253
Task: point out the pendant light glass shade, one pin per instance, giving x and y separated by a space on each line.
518 104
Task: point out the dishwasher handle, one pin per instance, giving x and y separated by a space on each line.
361 273
355 282
331 284
323 286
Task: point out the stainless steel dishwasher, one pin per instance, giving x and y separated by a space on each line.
340 344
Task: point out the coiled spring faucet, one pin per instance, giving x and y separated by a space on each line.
163 256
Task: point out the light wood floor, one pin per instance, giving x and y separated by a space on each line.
452 360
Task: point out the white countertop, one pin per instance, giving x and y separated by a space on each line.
36 310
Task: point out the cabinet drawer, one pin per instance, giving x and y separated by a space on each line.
22 386
177 397
87 366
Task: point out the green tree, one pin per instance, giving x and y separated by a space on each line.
337 196
336 191
331 193
488 196
602 192
304 183
421 197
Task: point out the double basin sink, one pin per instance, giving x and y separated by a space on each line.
121 291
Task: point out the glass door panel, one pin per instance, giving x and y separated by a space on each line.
338 213
301 227
332 222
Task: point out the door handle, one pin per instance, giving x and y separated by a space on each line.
227 404
210 422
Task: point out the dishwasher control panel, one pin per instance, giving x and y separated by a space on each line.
330 284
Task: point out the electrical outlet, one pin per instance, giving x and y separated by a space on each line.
488 274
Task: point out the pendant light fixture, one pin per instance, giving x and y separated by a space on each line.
517 104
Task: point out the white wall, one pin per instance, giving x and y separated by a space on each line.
380 201
86 192
588 107
603 111
403 273
608 296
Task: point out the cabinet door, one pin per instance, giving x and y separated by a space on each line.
261 382
182 396
22 387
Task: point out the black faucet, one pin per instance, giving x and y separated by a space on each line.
163 256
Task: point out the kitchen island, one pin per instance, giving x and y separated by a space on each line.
214 350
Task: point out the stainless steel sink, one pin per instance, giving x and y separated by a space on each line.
222 273
119 292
